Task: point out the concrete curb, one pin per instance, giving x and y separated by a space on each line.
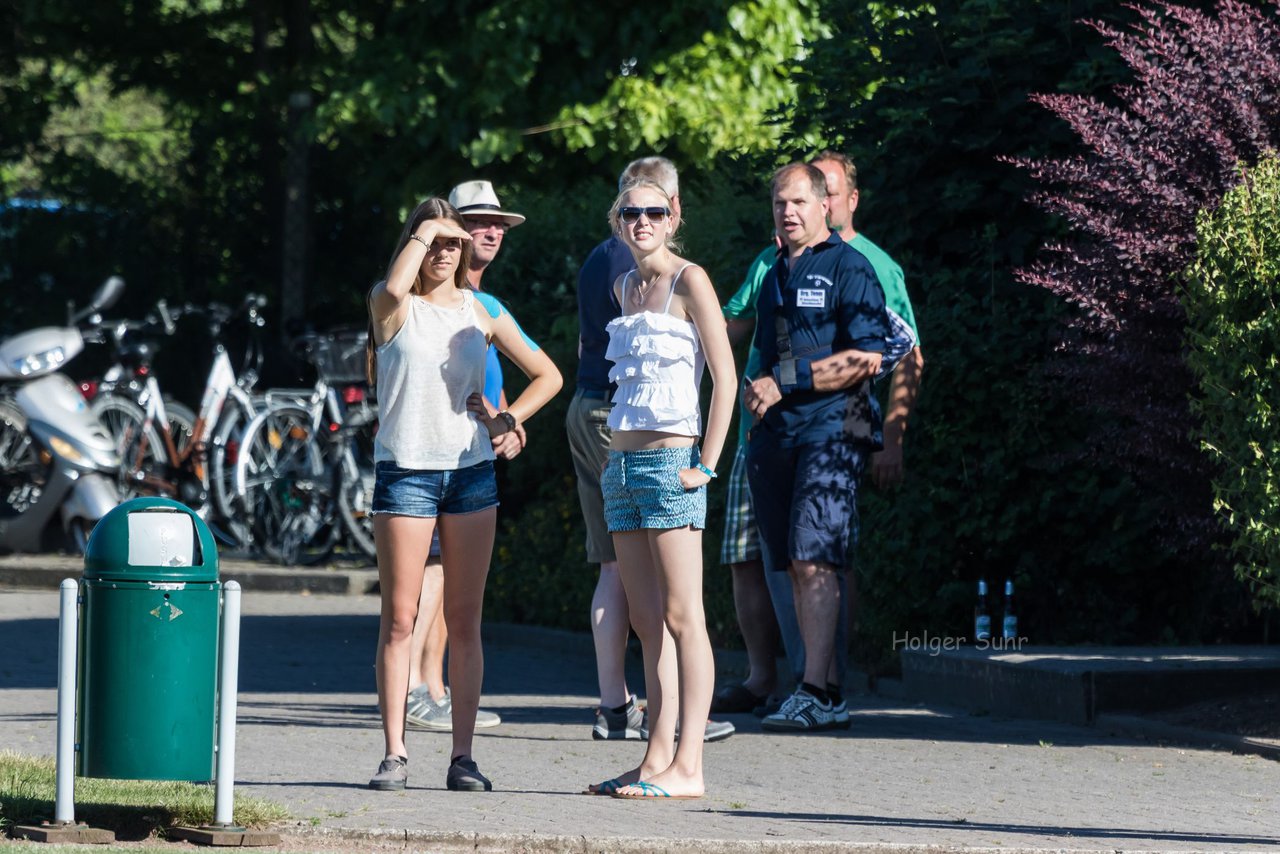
530 843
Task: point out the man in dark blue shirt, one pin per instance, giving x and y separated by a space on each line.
821 330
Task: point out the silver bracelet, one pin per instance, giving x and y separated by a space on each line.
420 240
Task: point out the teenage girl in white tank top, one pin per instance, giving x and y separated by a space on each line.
671 305
431 334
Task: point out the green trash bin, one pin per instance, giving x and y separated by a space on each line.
148 649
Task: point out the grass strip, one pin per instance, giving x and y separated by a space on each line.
134 809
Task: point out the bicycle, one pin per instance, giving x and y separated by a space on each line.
306 464
199 473
120 397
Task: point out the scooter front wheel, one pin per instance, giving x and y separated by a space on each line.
22 474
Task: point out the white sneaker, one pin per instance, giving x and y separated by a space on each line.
840 714
801 712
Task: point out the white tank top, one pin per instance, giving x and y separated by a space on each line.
425 373
657 367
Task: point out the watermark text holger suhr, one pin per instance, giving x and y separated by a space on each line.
936 644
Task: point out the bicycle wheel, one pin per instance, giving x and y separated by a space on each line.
288 487
235 521
182 423
142 452
22 474
355 491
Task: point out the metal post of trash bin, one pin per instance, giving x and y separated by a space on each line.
64 810
63 828
229 684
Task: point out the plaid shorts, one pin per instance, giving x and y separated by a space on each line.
741 541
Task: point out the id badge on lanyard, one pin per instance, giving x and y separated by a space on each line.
782 336
786 360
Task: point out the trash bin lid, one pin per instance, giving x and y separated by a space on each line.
151 539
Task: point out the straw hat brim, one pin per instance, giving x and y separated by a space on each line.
511 219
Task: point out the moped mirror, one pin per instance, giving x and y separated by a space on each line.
107 294
103 298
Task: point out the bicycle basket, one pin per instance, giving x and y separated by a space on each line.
339 356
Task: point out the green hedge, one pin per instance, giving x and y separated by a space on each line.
1231 297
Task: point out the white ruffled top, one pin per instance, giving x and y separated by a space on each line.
658 365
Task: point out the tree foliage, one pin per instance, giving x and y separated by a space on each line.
377 105
1232 297
927 99
387 102
1205 95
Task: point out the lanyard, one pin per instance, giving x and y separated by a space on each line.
782 331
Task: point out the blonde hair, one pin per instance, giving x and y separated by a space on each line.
615 221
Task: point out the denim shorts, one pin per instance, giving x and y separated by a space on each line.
427 493
642 490
806 499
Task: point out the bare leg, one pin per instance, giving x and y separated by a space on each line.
635 566
678 562
610 626
430 636
466 543
402 542
759 626
817 607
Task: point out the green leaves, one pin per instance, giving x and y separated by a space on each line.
714 96
1233 340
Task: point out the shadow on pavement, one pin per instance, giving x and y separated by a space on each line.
318 654
1002 827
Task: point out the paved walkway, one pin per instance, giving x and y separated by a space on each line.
902 778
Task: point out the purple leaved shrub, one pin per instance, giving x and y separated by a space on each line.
1205 98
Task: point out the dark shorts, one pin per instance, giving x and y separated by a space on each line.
587 425
642 489
806 499
427 493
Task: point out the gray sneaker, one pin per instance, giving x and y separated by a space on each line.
392 774
626 725
421 711
464 776
801 712
716 730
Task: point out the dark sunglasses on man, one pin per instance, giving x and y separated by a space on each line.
631 215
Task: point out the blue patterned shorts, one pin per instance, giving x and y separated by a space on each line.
642 490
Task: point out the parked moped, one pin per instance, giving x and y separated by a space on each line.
57 462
